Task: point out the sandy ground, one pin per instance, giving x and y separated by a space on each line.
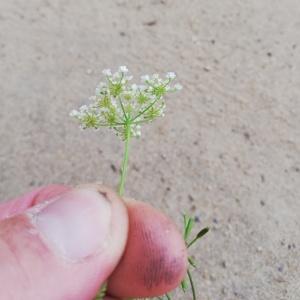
228 150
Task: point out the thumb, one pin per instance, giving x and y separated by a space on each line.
63 248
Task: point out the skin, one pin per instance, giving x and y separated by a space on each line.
155 258
63 243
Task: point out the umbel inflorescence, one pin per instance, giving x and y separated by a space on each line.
123 106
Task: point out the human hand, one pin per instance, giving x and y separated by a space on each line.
59 243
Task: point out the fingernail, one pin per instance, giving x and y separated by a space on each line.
75 225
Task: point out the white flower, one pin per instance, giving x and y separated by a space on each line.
177 87
107 72
116 100
116 77
145 78
142 87
74 113
83 108
134 87
114 103
123 69
128 77
152 97
136 130
171 75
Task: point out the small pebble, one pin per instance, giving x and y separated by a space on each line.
212 277
197 219
113 167
280 279
151 23
224 292
193 208
247 135
191 198
223 264
297 169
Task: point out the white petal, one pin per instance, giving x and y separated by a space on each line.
74 113
145 78
123 69
178 87
171 75
107 72
134 87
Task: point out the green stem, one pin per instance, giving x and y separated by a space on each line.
192 284
125 160
123 109
144 110
122 179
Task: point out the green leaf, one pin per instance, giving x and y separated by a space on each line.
185 220
188 228
200 234
184 285
192 262
102 292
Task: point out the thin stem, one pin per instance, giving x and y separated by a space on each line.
192 242
192 284
109 125
123 109
143 111
125 160
141 122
